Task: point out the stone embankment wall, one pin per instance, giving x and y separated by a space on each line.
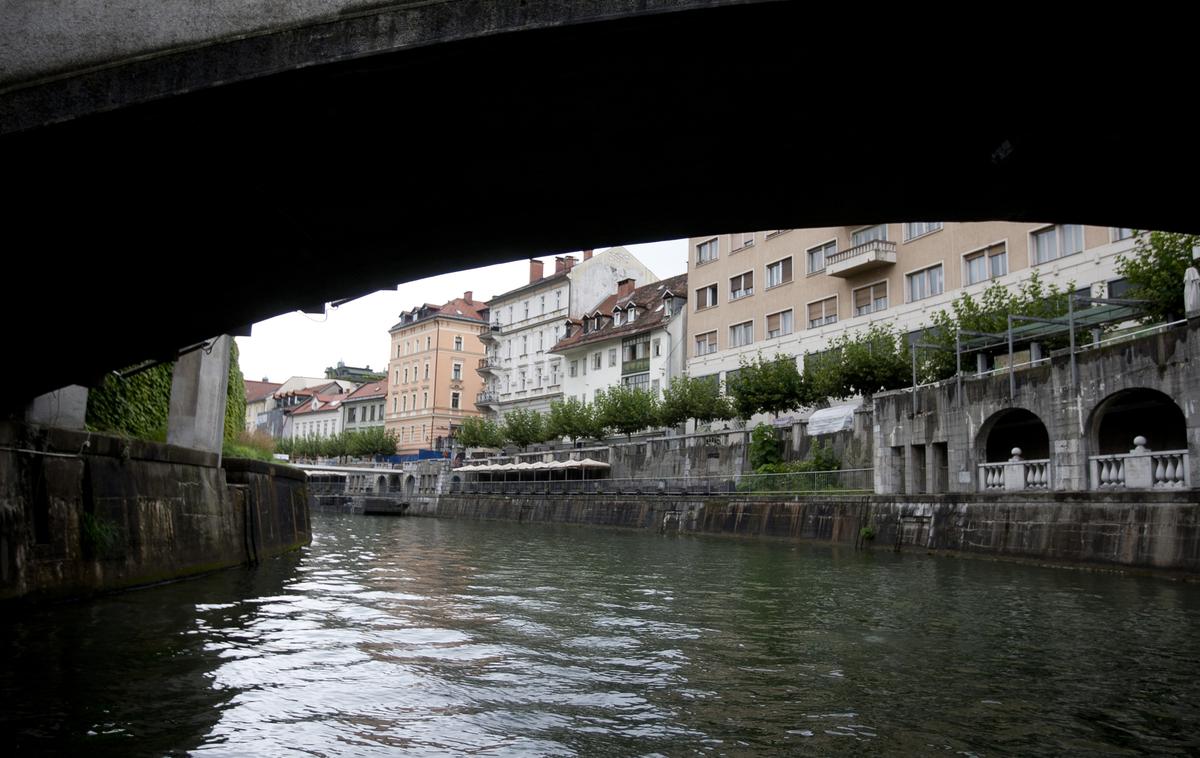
1152 531
86 513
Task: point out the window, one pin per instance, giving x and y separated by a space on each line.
706 297
405 376
595 361
456 372
612 357
424 399
1056 242
541 341
617 314
706 343
397 351
405 399
542 300
870 233
920 229
1121 233
557 299
426 369
741 241
458 343
454 400
428 342
632 314
779 272
372 413
657 348
741 334
822 312
526 304
524 344
573 368
350 416
989 263
870 299
637 381
925 283
779 324
819 254
706 251
741 285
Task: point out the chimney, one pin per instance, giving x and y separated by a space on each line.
467 297
568 262
587 255
625 287
559 266
535 270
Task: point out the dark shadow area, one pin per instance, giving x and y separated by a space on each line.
1015 427
1127 414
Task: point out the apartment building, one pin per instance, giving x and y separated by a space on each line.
518 369
636 337
791 291
432 381
364 408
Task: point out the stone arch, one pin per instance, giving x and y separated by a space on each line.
410 485
381 483
1134 412
1009 428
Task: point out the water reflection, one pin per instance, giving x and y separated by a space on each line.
436 637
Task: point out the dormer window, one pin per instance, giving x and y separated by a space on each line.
616 318
632 314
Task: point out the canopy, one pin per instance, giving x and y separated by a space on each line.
839 418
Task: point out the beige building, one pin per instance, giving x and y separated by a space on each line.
432 378
791 291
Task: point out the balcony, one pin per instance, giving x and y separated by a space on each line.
485 399
489 364
491 334
864 257
1141 469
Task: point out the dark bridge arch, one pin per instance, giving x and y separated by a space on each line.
1009 428
1134 412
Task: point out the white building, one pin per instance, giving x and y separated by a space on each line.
364 407
518 369
636 336
321 416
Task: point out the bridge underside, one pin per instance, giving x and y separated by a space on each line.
153 226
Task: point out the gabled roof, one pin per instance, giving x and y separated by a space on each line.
459 308
649 301
322 402
318 389
369 391
256 391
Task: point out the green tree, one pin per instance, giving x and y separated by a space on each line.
480 432
1155 272
989 314
523 427
767 386
875 360
627 409
570 418
235 396
764 447
696 398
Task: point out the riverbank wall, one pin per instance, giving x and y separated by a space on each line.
1157 532
84 513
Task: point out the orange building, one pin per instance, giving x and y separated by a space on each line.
432 382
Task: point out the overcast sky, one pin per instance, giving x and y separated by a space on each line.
356 333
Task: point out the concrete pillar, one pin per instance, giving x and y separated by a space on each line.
1035 352
198 387
64 408
981 363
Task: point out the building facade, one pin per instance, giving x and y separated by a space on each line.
356 374
519 370
259 395
634 337
432 378
792 291
318 417
364 408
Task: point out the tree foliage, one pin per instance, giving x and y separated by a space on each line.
764 447
696 398
767 386
480 432
522 427
1155 272
573 419
627 409
235 396
366 443
870 361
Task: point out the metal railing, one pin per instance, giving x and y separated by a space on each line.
843 481
488 363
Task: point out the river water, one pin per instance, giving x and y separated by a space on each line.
429 637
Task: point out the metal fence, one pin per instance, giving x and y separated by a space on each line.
844 481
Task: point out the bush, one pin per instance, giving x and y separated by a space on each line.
764 447
811 475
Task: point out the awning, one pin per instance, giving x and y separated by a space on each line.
839 418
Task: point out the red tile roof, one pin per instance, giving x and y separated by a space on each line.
370 390
256 391
324 402
648 299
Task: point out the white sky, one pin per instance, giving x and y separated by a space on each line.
356 333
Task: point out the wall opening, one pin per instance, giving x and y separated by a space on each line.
1014 427
1137 412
